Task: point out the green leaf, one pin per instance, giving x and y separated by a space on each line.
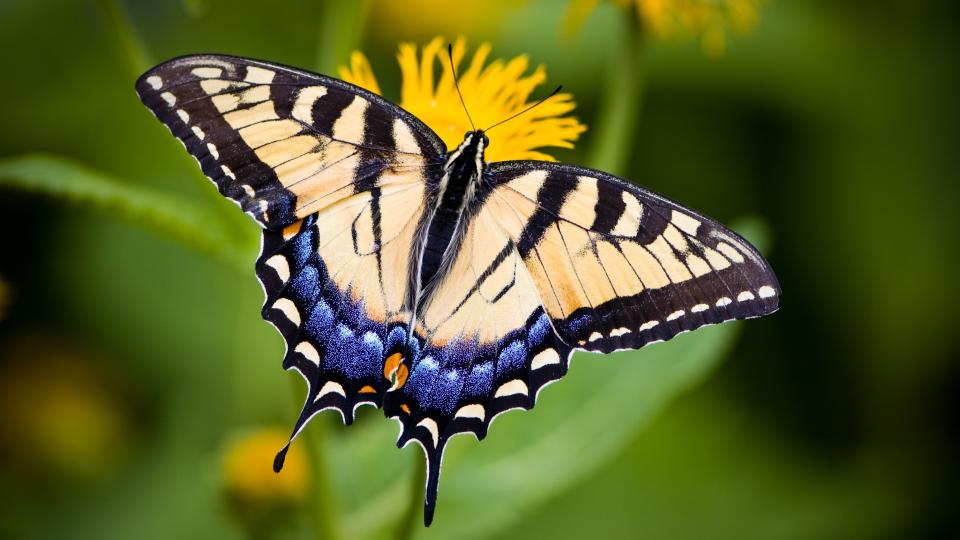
169 216
577 426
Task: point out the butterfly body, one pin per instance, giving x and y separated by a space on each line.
438 287
455 191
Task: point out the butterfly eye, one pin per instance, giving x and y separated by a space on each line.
486 141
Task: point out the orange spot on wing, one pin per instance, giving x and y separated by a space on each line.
367 390
402 373
391 364
405 408
291 230
395 371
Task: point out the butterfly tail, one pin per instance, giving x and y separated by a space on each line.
282 454
434 458
310 409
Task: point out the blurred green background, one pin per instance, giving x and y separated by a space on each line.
141 395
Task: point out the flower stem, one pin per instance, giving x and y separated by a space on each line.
619 104
408 523
322 510
134 53
341 29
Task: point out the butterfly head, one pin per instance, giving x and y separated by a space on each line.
468 158
479 136
475 142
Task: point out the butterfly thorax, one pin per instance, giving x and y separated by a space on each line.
443 223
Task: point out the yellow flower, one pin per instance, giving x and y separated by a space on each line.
63 416
260 500
492 93
706 20
247 471
422 19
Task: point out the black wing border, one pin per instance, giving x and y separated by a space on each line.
323 80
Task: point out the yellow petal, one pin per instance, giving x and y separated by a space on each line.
492 91
360 73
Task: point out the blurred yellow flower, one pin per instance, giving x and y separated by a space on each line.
248 472
259 499
492 93
422 19
706 20
63 416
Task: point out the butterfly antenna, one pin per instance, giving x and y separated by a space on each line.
557 89
456 83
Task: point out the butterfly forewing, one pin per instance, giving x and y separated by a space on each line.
620 267
280 142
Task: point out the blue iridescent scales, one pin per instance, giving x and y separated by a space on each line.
432 284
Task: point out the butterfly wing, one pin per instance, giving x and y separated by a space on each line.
280 142
557 258
617 266
485 346
337 177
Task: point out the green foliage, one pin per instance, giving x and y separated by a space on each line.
178 219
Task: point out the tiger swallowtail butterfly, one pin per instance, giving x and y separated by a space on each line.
425 281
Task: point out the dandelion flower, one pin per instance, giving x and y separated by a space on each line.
706 20
492 92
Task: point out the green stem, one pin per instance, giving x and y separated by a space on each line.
341 29
134 53
408 523
324 503
619 104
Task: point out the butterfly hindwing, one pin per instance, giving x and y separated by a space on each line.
335 294
485 346
280 142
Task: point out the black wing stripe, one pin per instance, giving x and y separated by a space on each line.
550 199
526 239
610 206
328 109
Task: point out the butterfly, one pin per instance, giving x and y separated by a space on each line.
426 281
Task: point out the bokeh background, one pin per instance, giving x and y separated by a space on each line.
141 395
